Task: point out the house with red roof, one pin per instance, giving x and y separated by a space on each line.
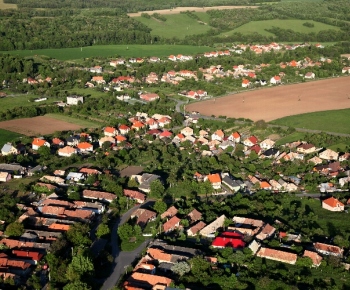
218 135
31 257
39 142
120 139
277 255
150 97
229 239
171 224
332 204
135 195
251 141
316 258
235 137
85 147
245 83
124 129
152 124
162 122
57 142
192 231
106 139
328 250
215 180
137 125
165 134
110 131
275 80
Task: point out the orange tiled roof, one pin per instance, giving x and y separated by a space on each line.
109 130
316 258
84 145
59 227
38 142
157 254
333 202
214 178
149 279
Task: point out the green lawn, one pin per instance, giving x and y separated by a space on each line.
329 121
7 136
296 136
11 102
177 25
135 50
84 123
295 25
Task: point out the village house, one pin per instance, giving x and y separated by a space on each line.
124 129
229 239
57 142
143 216
315 258
171 224
277 255
85 147
8 149
275 80
306 148
149 97
98 80
5 176
235 137
99 195
218 135
169 213
332 204
328 154
251 141
210 230
96 69
75 100
194 216
245 83
215 180
139 280
111 140
39 142
309 75
329 250
145 181
192 231
67 151
110 131
267 144
187 131
135 195
266 232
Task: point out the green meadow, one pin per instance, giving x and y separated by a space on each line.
295 25
84 123
11 102
7 136
135 50
329 121
177 25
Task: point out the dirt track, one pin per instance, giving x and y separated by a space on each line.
277 102
36 126
182 9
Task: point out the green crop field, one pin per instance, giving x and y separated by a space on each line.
295 25
177 25
329 121
7 136
135 50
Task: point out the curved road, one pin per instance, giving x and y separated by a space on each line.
121 259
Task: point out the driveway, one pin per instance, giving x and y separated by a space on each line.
122 259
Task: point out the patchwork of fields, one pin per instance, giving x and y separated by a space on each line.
294 24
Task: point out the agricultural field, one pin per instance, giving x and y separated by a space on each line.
41 125
177 10
295 25
126 51
7 5
7 136
288 100
329 121
177 25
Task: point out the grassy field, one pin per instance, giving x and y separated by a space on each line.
11 102
113 51
329 121
177 25
7 6
290 138
80 122
295 25
7 136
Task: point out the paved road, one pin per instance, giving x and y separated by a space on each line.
121 259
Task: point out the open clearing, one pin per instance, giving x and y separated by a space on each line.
134 50
177 10
276 102
175 23
7 5
295 25
7 136
36 126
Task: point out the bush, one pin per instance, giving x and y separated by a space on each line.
309 24
145 15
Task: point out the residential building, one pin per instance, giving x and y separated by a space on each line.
8 149
210 230
215 180
75 100
229 239
149 97
5 176
135 195
99 195
192 231
67 151
332 204
171 224
143 216
331 250
277 255
194 216
316 258
329 154
39 142
169 213
266 232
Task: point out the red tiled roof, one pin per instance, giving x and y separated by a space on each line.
197 227
109 130
214 178
165 134
35 256
98 195
316 258
84 145
89 171
134 194
159 255
170 212
333 202
149 279
38 142
171 224
59 227
328 248
277 255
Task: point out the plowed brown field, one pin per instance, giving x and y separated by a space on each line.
41 125
281 101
